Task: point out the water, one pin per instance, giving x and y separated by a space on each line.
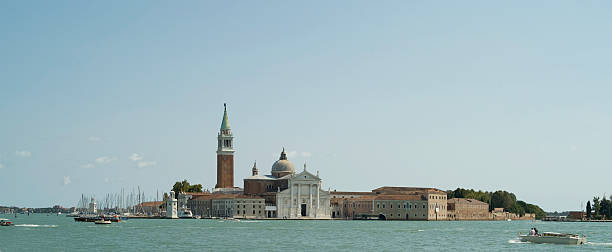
39 232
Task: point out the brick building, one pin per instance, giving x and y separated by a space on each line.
467 209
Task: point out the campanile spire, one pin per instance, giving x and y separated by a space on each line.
225 154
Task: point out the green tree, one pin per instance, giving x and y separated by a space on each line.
605 207
588 210
184 186
195 188
503 199
596 208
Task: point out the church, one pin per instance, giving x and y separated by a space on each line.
287 194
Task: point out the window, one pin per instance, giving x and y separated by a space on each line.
254 211
383 205
243 211
378 205
390 205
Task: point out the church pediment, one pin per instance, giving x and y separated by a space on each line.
304 176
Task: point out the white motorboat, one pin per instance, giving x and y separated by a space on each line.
554 238
185 213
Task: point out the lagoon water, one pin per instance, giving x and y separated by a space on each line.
39 232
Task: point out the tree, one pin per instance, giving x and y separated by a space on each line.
605 208
184 186
596 207
588 210
503 199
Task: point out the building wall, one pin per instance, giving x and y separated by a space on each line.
225 171
353 208
437 206
223 207
256 187
201 207
252 208
401 209
467 209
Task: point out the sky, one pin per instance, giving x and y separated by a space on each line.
96 96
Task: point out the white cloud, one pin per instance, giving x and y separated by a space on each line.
306 154
1 166
87 166
94 139
105 160
142 164
23 153
291 154
136 157
66 180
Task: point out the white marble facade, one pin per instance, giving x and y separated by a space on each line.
304 198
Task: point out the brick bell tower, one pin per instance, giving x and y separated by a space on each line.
225 154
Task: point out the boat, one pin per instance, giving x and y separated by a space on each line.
554 238
185 213
6 222
103 221
73 214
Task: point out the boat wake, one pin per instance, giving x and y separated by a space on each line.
516 241
34 225
606 244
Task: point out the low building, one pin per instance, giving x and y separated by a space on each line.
390 203
499 213
227 205
238 206
467 209
576 215
200 205
151 208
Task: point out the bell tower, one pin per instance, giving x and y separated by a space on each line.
225 154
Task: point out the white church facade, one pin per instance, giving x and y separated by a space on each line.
304 199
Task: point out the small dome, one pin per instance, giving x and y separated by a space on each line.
282 165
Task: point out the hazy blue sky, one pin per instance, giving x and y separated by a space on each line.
96 96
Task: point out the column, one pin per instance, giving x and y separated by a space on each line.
298 207
318 200
290 206
310 200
